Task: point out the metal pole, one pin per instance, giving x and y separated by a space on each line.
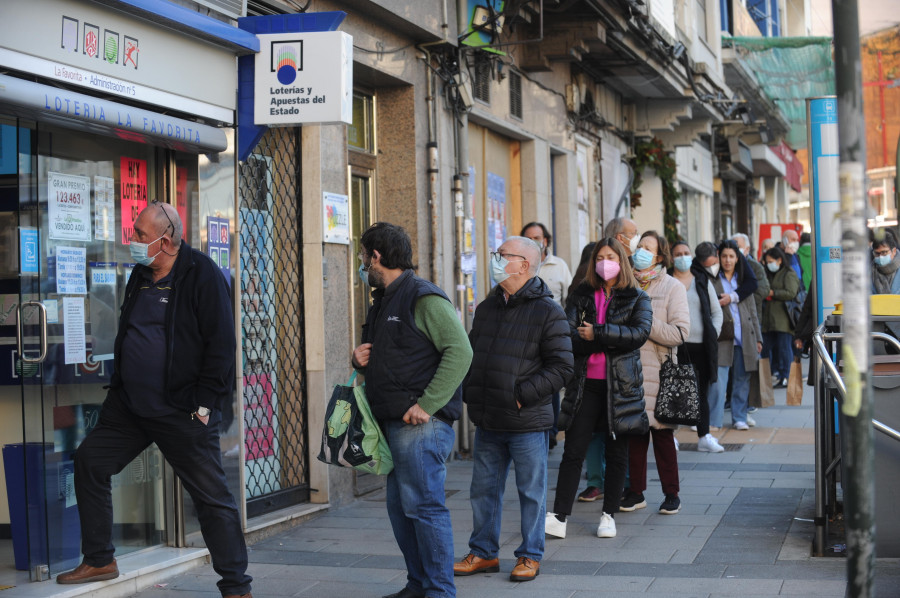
857 409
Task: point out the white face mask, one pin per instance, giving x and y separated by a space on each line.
713 270
633 243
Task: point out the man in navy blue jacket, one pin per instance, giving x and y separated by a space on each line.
174 369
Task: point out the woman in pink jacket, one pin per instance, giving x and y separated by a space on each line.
671 325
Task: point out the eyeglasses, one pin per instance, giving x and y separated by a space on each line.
172 224
505 256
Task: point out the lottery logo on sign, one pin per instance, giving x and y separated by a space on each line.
111 47
91 41
130 55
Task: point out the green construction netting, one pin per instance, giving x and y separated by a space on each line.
789 70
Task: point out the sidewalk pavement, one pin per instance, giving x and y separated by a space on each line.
745 529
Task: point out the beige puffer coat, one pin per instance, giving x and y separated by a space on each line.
670 314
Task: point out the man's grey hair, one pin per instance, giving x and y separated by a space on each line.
743 238
615 227
531 251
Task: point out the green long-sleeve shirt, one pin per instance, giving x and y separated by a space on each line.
437 319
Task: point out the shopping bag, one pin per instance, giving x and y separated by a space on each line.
350 436
766 391
795 383
678 398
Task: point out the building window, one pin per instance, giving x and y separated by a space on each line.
702 31
482 87
361 134
515 94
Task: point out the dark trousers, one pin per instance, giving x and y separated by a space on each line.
192 449
666 460
695 354
591 417
777 347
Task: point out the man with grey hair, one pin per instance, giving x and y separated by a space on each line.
625 231
522 354
762 289
174 371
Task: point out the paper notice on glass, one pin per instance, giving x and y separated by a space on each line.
104 208
71 271
69 206
73 329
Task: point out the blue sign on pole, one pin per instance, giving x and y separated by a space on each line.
29 251
824 191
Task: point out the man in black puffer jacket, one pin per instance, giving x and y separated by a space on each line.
522 356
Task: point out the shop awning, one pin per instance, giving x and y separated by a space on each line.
76 110
789 70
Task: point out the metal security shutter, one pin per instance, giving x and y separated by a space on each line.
515 94
272 328
482 87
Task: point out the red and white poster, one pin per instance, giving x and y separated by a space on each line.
259 432
774 231
134 194
181 183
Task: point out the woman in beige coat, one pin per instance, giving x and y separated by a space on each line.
671 325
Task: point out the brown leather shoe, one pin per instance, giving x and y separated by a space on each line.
471 564
525 569
247 595
84 573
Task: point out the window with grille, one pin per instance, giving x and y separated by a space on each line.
515 94
482 87
276 470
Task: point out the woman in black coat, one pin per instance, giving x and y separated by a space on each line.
609 320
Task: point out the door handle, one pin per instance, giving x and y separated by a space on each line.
43 328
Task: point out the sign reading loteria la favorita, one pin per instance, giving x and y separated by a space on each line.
304 78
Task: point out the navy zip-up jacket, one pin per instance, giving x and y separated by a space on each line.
200 339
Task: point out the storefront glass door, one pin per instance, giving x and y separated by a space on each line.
67 202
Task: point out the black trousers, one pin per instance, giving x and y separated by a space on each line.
591 417
695 354
192 449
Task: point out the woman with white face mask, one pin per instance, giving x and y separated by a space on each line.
776 327
700 348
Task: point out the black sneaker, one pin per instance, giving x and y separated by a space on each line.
632 501
671 505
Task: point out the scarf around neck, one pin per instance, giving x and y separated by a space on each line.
645 277
883 276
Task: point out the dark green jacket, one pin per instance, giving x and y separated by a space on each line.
785 285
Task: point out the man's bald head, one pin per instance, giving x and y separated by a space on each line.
165 220
528 249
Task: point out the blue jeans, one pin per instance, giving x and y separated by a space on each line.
777 347
415 504
494 452
716 397
740 388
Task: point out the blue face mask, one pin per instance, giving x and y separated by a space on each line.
883 260
363 274
643 259
773 267
498 269
139 252
683 263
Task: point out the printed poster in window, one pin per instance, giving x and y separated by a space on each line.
258 417
218 240
496 196
104 208
134 194
69 206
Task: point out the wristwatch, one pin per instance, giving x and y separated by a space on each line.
203 411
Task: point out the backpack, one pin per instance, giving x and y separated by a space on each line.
794 307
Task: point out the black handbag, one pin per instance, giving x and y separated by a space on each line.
678 398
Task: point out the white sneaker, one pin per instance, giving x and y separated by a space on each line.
677 446
709 444
554 527
607 527
741 426
750 421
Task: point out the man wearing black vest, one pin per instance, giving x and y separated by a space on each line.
414 355
523 354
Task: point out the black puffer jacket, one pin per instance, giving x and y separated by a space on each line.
522 352
629 317
710 338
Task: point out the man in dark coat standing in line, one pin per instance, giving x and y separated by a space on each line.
522 356
174 371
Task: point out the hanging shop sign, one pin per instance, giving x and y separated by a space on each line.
304 78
